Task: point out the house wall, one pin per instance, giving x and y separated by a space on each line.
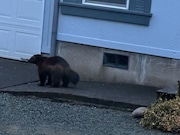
143 69
160 38
153 50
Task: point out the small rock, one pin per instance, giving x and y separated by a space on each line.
139 112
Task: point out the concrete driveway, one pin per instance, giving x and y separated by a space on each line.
21 78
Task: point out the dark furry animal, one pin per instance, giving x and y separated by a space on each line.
54 70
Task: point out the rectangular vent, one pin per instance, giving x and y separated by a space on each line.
116 61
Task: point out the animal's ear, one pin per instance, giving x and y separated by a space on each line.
32 59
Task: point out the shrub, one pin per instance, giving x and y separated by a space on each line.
163 115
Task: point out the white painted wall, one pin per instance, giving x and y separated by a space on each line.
160 38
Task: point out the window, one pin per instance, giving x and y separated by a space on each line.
127 11
121 4
116 61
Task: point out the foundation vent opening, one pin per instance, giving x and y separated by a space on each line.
116 61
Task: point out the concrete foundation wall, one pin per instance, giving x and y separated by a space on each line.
143 69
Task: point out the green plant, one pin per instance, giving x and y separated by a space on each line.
163 115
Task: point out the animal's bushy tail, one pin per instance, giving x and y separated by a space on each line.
73 76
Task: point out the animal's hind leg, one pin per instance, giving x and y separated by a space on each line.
65 80
56 79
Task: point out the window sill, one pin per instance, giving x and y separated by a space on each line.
127 16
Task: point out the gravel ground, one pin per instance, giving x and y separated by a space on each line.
34 116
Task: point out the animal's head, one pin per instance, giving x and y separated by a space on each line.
35 59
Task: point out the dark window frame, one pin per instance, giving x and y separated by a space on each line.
138 12
116 61
119 4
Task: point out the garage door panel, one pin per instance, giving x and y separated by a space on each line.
21 26
25 9
5 8
27 43
5 40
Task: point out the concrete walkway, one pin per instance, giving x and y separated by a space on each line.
21 78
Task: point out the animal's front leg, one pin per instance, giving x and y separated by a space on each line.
49 82
42 78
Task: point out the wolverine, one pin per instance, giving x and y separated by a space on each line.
54 70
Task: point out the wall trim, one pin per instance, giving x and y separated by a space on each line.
136 48
127 16
50 26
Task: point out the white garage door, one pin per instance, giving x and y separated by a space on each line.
21 23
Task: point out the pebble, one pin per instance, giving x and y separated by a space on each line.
139 112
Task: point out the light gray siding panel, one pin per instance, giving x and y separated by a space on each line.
160 38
